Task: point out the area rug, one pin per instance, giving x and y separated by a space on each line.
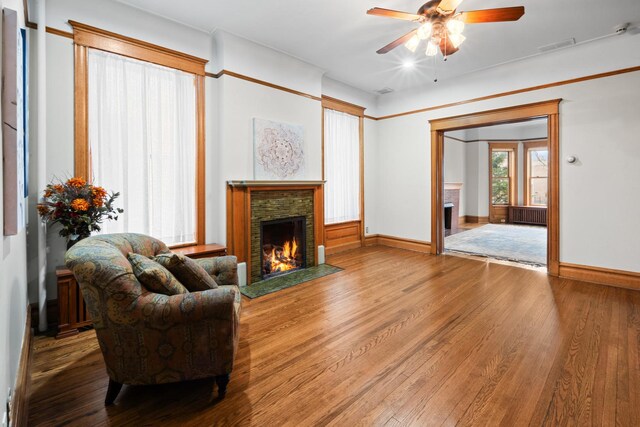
519 243
277 283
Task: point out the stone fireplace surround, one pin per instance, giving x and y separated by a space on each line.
250 202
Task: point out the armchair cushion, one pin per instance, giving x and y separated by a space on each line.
187 271
154 276
223 269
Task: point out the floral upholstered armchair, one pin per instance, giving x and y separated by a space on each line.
152 338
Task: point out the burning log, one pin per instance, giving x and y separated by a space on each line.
280 258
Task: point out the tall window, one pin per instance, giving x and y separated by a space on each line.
342 167
142 143
537 173
502 173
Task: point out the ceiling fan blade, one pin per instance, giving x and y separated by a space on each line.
388 13
446 7
397 42
492 15
446 47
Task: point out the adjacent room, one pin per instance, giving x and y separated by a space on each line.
496 191
373 213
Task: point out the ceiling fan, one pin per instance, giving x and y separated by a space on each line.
441 25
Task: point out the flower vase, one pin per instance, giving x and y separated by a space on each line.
75 238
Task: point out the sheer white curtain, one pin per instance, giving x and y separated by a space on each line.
142 141
342 167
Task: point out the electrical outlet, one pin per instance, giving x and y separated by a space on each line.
366 229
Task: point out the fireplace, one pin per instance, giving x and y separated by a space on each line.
283 246
257 209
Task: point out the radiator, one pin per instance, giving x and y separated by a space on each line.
528 215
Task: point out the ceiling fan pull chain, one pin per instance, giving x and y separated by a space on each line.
435 69
446 44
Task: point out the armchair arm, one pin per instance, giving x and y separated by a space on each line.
166 311
223 269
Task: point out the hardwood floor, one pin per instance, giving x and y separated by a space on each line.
397 338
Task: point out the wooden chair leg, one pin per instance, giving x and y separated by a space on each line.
112 392
222 381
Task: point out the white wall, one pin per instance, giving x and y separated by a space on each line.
120 18
598 124
241 101
477 195
610 54
455 165
13 280
403 191
251 59
339 90
372 175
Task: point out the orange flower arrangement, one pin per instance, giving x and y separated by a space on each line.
99 194
78 206
76 182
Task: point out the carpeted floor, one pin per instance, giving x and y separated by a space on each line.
277 283
520 243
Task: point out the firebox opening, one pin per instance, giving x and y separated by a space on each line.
283 246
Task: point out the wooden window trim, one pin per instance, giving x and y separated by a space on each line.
343 106
96 38
528 146
358 111
85 37
512 148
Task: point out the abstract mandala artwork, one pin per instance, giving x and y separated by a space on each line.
278 150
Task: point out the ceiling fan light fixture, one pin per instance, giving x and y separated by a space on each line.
424 32
432 48
456 39
455 26
412 43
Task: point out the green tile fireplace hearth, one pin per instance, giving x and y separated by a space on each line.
277 283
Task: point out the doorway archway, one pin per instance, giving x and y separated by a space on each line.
519 113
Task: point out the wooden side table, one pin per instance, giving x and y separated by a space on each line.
72 312
202 251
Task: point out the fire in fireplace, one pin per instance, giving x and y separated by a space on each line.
283 246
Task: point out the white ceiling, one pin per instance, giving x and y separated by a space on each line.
338 36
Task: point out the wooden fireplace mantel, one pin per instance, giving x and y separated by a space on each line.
296 184
239 213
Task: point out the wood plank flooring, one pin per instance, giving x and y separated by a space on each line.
397 338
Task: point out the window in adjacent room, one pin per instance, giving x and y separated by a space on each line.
341 166
502 173
536 173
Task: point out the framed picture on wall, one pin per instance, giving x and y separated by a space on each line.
14 149
279 150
